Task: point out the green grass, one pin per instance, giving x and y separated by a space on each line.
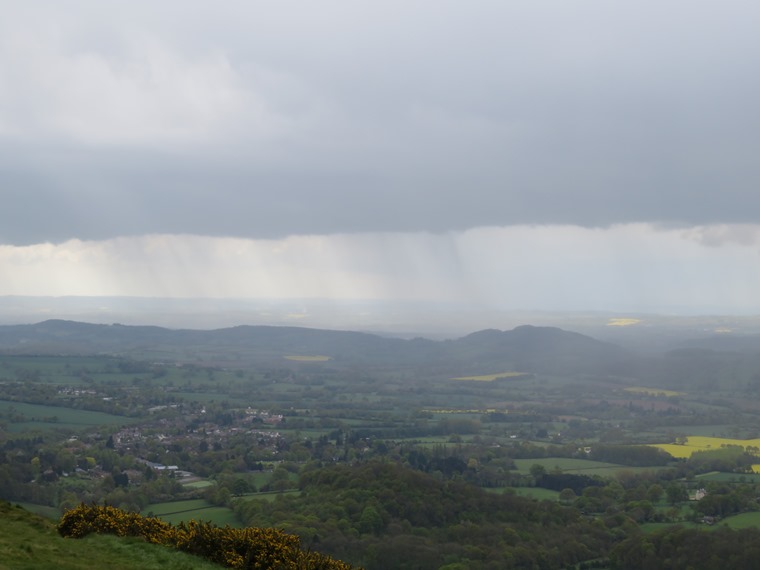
729 477
30 542
270 495
52 417
744 520
175 512
203 397
198 484
42 510
532 492
568 465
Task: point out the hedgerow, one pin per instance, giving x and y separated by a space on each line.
246 548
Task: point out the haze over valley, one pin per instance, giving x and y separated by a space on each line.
428 285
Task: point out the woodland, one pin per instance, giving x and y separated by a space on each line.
530 448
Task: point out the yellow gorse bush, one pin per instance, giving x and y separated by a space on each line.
246 548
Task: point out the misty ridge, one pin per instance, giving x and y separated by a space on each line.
380 286
687 363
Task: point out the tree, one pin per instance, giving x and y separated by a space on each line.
567 496
676 493
655 492
537 471
240 487
370 521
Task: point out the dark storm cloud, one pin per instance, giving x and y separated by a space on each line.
267 120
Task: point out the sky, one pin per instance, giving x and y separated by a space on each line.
547 155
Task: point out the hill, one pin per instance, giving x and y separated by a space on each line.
526 348
30 542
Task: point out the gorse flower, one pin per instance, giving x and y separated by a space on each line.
246 548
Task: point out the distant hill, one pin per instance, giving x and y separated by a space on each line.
30 541
548 350
748 344
526 348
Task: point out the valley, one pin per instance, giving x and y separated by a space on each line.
340 437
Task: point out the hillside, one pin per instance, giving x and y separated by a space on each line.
30 542
526 348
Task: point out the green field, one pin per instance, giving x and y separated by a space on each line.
42 510
568 465
270 495
719 477
700 443
30 542
537 493
51 417
744 520
307 358
175 512
490 377
653 391
198 484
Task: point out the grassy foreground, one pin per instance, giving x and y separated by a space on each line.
30 542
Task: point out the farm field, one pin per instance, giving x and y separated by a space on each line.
28 542
175 512
710 430
490 377
721 477
35 416
269 496
743 520
42 510
537 493
701 443
566 465
379 428
653 391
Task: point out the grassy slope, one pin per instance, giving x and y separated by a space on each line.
30 542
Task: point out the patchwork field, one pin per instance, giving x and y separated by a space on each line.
566 465
722 477
490 377
175 512
623 322
743 520
653 391
538 493
701 443
34 416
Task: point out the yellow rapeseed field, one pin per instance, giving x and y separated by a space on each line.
696 443
308 358
623 322
490 377
652 391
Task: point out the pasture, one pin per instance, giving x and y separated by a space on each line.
701 443
175 512
25 417
567 465
308 358
537 493
653 391
578 466
490 377
722 477
623 322
743 520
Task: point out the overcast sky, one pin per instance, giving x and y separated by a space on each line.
529 155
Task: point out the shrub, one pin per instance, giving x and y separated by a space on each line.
247 548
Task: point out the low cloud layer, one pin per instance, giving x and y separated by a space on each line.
635 267
266 120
